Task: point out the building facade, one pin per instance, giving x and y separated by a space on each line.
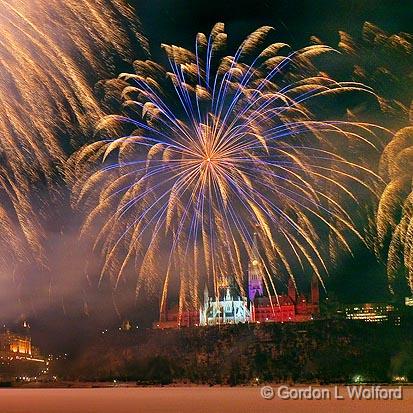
371 312
255 274
19 357
229 306
15 344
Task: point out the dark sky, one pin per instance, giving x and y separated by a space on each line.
177 22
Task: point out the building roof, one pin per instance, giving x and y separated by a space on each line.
280 300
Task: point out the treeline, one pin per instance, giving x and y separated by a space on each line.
321 351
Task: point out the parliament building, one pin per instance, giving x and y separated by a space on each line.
230 307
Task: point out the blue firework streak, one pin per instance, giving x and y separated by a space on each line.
218 147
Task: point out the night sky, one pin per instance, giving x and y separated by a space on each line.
85 308
178 21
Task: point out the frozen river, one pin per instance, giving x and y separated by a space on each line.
183 400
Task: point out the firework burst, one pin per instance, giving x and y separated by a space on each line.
386 61
383 61
48 58
218 147
395 212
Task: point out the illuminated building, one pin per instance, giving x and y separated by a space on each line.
291 307
231 307
408 301
228 308
16 344
255 281
371 312
18 356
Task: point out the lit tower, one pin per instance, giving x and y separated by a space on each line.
292 292
315 292
255 287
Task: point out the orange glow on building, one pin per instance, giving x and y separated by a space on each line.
21 345
14 343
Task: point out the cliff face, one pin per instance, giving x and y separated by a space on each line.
327 351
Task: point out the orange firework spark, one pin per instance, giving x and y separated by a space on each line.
48 48
214 147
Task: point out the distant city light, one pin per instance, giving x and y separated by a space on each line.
358 378
400 379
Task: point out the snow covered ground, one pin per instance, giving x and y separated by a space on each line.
184 400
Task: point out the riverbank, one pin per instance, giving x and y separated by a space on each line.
323 351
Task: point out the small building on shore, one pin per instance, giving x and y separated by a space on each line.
19 357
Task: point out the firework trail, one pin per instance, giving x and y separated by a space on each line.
215 148
49 53
383 61
395 212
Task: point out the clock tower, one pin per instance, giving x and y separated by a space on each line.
255 287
